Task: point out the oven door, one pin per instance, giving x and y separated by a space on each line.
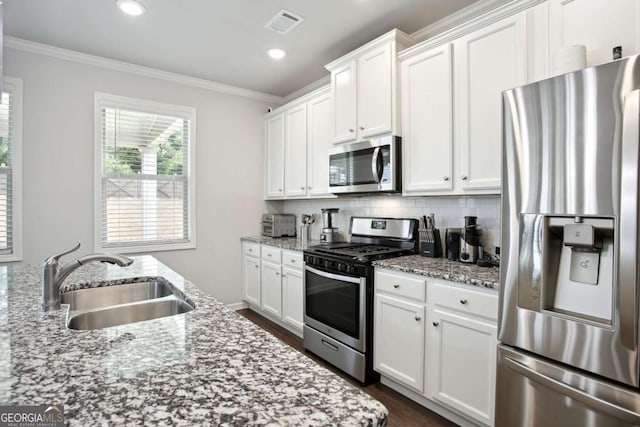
368 166
334 304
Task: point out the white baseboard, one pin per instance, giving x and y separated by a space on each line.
238 306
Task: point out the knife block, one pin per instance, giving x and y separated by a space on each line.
430 245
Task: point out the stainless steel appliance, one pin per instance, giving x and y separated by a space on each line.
366 167
470 247
278 225
338 288
569 279
329 232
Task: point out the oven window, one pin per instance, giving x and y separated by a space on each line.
334 303
355 167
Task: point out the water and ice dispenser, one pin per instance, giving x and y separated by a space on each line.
568 266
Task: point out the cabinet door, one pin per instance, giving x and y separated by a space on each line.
599 25
292 297
320 117
271 288
486 62
295 161
375 92
462 360
427 121
274 157
343 94
251 280
399 340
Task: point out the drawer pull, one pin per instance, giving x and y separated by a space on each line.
418 318
292 261
396 286
250 250
277 274
331 346
463 301
436 324
269 255
257 266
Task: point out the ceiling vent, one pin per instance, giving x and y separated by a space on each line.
284 21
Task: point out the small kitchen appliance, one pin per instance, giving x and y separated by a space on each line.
278 225
329 219
452 238
470 248
338 291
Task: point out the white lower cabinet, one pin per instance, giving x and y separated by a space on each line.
292 296
399 340
447 358
273 284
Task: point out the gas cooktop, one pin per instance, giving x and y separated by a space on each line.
357 251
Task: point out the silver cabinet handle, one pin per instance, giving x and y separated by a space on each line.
463 301
279 189
257 266
464 177
250 250
277 274
361 127
418 318
396 286
351 130
446 178
436 324
293 261
269 255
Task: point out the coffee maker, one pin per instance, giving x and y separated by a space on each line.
470 247
329 232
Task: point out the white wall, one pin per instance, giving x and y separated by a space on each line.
58 162
449 211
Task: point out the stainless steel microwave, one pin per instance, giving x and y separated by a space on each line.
366 167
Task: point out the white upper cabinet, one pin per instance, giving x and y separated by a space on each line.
375 92
319 140
295 142
343 92
599 25
486 62
364 89
274 157
427 127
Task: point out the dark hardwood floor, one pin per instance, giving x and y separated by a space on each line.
403 412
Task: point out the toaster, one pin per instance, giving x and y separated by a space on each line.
278 225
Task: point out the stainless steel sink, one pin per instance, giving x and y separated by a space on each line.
127 313
105 306
106 296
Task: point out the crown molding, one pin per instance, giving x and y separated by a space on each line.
125 67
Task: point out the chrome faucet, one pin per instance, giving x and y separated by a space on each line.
53 274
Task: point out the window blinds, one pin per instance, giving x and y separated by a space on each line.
145 198
6 173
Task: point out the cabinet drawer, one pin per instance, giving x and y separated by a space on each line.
251 249
400 284
292 259
272 254
467 300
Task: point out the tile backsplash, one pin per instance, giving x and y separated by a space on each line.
449 212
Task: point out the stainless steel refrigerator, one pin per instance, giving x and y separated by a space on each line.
569 297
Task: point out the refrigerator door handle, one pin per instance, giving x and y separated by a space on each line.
627 279
573 393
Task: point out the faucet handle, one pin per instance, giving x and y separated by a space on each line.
54 258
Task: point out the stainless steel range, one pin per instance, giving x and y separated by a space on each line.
338 304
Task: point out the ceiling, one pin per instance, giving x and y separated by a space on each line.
222 40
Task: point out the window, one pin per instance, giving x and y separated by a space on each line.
11 170
145 178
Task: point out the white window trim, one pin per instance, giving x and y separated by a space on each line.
102 100
14 87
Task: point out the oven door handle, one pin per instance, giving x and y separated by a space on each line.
332 276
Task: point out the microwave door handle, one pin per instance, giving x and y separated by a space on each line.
628 274
374 165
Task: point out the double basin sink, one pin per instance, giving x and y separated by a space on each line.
105 306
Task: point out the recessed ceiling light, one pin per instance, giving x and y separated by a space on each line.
131 7
276 53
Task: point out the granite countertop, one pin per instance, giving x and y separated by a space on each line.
290 243
442 268
208 366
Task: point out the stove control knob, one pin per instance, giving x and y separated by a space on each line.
350 269
341 266
464 255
